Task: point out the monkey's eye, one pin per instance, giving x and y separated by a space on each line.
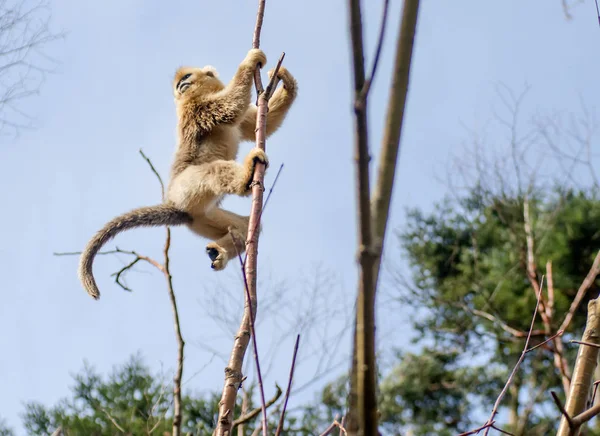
181 82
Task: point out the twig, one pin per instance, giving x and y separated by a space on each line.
598 12
160 180
251 415
478 429
561 408
335 424
516 367
180 342
501 431
342 428
289 388
589 344
541 344
369 81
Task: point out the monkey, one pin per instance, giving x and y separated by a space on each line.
212 120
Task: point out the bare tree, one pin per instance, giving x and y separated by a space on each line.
24 35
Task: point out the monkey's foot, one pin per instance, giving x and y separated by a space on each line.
217 255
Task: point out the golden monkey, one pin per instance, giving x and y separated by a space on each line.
212 119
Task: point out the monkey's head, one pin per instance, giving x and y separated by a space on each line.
194 81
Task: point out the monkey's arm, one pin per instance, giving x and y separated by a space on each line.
230 104
279 104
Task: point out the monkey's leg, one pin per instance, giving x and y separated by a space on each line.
233 230
197 187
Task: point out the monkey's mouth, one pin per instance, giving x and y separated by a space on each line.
183 86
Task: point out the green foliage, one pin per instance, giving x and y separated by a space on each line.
5 430
471 294
432 393
130 401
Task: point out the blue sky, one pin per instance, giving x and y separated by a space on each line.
111 96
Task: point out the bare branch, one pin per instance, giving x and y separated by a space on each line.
233 371
254 413
289 388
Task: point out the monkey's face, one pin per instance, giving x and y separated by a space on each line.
194 81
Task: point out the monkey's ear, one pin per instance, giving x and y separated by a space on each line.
210 71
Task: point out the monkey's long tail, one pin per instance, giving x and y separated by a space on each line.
152 216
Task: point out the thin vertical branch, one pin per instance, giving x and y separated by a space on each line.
233 371
289 388
180 342
583 373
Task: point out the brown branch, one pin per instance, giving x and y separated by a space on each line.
362 412
584 417
251 415
589 344
289 388
583 372
233 371
180 342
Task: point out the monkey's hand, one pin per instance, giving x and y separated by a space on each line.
256 155
254 57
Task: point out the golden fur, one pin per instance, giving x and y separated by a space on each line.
212 119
